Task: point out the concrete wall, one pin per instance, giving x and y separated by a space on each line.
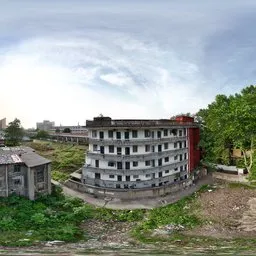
229 177
126 193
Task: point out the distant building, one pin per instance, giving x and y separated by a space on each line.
24 172
140 154
75 129
3 124
46 125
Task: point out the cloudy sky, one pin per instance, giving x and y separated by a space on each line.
71 60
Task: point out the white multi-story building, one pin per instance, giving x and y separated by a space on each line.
131 154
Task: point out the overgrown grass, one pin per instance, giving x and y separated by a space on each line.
180 213
54 217
66 158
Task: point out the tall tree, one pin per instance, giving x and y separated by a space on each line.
14 133
230 122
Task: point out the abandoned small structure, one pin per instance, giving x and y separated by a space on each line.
138 158
23 172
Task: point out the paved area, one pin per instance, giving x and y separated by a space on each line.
146 203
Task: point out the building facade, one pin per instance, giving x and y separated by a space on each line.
3 124
134 154
46 125
24 173
74 129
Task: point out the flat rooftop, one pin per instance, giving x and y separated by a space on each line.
129 123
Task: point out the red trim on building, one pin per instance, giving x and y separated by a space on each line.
193 148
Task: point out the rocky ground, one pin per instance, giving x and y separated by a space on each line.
229 212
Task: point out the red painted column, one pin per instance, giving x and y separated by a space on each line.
193 148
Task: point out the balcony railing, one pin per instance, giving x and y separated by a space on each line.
133 141
138 157
135 171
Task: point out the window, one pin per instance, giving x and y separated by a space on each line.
118 186
153 163
96 163
185 167
40 173
180 144
158 134
166 145
111 164
119 177
95 148
118 135
174 132
147 133
127 151
160 174
147 163
175 144
176 157
147 175
119 166
185 131
166 171
159 148
126 135
176 169
94 134
134 134
127 178
152 134
147 148
102 150
153 149
181 168
110 134
159 162
127 165
166 159
165 132
181 158
101 135
17 181
111 149
134 163
185 156
111 176
180 133
97 175
185 144
16 168
119 151
135 176
134 149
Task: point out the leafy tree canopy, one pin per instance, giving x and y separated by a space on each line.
67 130
42 134
230 122
14 133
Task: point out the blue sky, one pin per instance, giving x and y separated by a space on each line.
69 61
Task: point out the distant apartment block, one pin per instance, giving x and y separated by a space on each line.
140 154
3 124
23 172
46 125
75 129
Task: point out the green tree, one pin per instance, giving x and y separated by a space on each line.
67 130
227 123
14 133
42 134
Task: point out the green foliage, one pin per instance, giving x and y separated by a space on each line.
54 217
42 135
180 213
229 122
67 130
14 133
65 158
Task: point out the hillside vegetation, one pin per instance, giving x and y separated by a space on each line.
66 158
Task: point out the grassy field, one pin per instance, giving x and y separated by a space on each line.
66 158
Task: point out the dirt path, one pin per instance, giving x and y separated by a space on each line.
248 221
